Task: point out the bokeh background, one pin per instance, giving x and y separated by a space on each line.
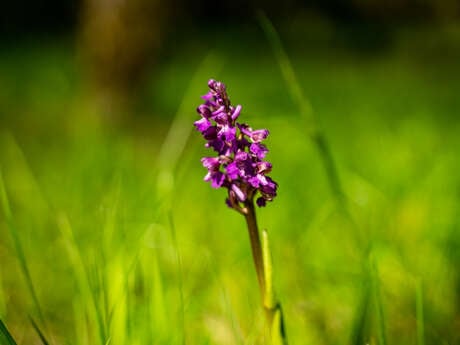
108 235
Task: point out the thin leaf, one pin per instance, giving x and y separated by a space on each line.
82 276
419 313
18 248
178 134
304 105
271 304
381 328
180 275
5 336
39 332
360 323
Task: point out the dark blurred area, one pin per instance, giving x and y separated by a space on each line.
20 19
119 46
119 40
24 18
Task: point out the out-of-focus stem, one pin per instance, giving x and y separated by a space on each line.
329 164
305 109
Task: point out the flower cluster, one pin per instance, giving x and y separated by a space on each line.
239 165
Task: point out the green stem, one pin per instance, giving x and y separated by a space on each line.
256 246
263 263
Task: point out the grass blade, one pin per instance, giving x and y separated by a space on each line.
5 336
82 276
18 248
158 309
360 323
419 313
178 134
305 108
39 332
381 333
180 270
287 70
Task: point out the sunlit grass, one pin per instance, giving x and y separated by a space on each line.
117 257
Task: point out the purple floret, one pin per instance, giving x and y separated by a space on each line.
239 165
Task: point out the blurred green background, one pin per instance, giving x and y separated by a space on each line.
108 235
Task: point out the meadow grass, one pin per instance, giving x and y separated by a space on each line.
108 235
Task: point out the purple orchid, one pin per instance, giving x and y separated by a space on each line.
239 165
